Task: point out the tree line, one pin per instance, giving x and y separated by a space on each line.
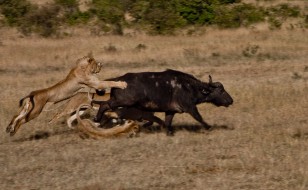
153 16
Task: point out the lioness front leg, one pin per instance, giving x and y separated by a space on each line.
114 84
98 84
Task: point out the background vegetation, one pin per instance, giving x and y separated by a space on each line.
152 16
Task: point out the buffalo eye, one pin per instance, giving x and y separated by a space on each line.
205 92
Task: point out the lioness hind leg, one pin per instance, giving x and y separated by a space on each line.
19 119
29 111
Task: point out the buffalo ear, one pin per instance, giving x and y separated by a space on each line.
210 79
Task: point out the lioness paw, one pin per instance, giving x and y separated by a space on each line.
122 84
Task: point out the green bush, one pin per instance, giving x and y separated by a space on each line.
278 13
239 15
196 12
161 15
274 23
68 4
156 16
283 11
71 13
138 9
43 21
201 11
78 17
110 13
15 10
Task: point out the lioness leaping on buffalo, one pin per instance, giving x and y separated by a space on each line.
81 76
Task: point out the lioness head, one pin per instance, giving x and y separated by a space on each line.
89 65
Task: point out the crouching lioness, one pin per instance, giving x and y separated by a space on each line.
82 75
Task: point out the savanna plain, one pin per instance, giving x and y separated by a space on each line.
260 142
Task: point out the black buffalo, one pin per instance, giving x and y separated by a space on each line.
169 91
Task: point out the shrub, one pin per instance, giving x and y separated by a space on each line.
110 48
239 15
201 11
109 12
274 23
68 4
140 47
43 21
283 11
71 13
250 50
15 10
78 17
162 17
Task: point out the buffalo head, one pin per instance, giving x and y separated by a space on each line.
215 93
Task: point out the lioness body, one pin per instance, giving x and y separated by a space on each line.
90 129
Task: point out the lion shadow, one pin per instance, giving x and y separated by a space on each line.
186 127
40 135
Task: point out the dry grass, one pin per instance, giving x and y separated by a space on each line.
258 143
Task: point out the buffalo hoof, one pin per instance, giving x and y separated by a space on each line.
207 127
96 120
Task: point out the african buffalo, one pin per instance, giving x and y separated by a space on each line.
169 91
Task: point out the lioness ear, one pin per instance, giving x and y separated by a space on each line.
82 61
90 54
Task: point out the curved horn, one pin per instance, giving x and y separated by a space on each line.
210 79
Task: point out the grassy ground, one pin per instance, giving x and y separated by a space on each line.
258 143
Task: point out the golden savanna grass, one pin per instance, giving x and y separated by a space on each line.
260 142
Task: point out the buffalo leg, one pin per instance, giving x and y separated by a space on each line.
104 106
168 120
104 120
152 118
196 115
147 124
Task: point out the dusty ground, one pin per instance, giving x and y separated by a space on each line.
261 142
